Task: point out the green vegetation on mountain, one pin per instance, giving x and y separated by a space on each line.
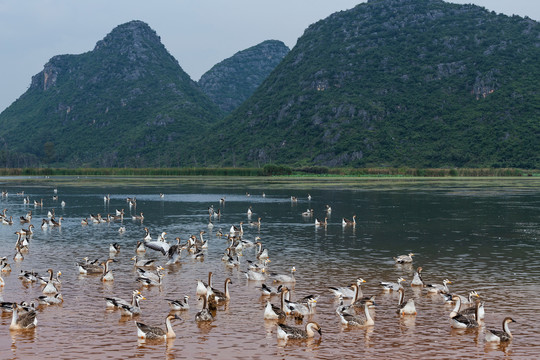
126 103
412 84
418 83
233 80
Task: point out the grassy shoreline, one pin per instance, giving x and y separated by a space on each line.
273 170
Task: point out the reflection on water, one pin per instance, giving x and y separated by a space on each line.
480 234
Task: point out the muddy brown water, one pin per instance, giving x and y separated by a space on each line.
482 235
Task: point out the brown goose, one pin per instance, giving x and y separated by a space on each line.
405 307
347 222
204 315
55 223
22 318
89 267
222 296
286 332
272 312
107 274
156 333
497 335
357 320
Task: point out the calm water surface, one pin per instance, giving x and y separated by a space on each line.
480 234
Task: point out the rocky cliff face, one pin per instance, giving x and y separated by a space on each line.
233 80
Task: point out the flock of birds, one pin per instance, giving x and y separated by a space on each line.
468 311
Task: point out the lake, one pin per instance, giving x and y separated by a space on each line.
482 234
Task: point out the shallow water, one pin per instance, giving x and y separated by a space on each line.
480 234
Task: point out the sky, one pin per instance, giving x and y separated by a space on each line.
198 33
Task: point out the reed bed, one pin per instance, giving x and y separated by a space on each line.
271 170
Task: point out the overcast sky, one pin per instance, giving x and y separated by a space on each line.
198 33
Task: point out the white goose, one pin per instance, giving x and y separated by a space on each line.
272 312
133 309
417 278
258 266
159 245
151 282
267 290
50 287
155 277
143 262
438 288
347 292
391 286
404 259
147 236
284 278
116 302
468 300
308 213
300 309
256 275
179 305
50 300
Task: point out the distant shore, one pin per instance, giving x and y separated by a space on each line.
274 170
